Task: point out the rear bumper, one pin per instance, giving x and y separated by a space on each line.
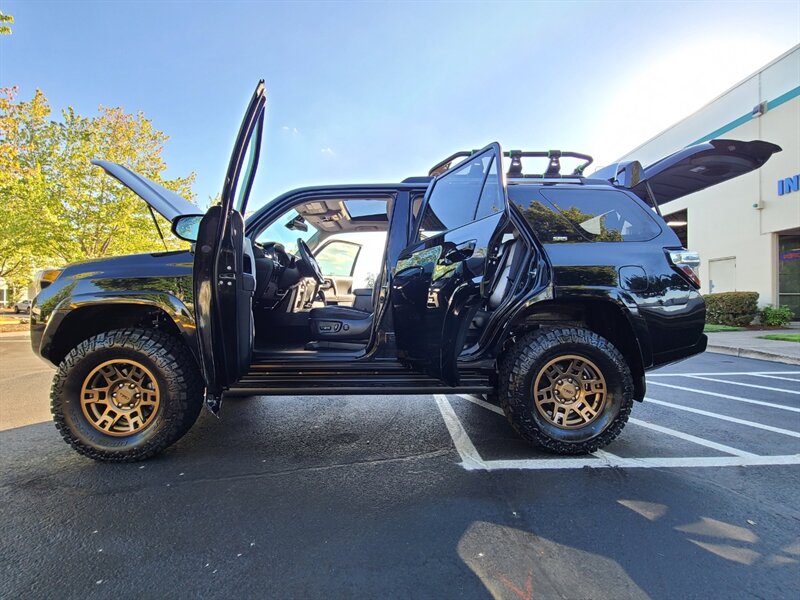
665 358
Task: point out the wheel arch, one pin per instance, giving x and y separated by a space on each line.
85 317
603 316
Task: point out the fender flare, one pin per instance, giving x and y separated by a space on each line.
173 307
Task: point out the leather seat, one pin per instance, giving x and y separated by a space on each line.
339 323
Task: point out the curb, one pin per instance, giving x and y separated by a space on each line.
24 333
757 354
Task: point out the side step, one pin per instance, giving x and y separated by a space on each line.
350 378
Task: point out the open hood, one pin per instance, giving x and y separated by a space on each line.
165 202
690 170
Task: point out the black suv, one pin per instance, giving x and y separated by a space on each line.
550 294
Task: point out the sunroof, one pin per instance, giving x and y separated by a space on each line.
361 209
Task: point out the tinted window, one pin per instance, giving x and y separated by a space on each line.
576 215
454 198
491 201
550 226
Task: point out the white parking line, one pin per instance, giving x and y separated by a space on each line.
690 438
726 396
641 463
706 413
773 377
665 430
727 373
750 385
472 460
482 403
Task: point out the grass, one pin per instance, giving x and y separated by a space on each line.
783 337
710 328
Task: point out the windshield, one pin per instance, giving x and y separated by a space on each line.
279 232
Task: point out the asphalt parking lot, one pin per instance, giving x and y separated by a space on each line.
418 497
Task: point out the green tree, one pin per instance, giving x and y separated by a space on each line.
5 22
55 206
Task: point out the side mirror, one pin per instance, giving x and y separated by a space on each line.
187 227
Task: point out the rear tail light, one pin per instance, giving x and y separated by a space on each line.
687 263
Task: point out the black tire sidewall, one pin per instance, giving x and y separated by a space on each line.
610 408
523 364
171 418
77 421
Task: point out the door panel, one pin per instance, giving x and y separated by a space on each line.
223 284
442 280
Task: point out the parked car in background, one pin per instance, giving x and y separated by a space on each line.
23 306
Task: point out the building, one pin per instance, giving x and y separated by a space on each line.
747 230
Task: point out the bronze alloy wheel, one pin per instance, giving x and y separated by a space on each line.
120 397
570 391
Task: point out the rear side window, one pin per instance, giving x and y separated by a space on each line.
454 199
604 215
579 215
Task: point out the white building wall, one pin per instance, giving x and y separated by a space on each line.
723 222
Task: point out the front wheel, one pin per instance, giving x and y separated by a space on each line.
126 395
566 389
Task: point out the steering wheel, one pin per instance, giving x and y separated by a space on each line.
311 265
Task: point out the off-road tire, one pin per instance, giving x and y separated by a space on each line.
530 354
178 378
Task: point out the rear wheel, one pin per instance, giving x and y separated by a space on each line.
126 395
566 389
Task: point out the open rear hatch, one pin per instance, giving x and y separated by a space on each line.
689 170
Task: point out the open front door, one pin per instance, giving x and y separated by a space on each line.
223 282
444 276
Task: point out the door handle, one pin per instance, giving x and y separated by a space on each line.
458 253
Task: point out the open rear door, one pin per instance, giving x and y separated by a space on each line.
442 278
689 170
223 287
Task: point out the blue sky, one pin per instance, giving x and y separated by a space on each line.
362 92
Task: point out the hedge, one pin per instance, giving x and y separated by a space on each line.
779 315
737 309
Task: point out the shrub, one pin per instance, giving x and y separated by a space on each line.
737 309
771 315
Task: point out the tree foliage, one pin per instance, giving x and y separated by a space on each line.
55 206
5 23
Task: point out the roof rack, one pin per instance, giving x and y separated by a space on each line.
515 169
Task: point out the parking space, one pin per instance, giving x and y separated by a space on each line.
697 418
420 497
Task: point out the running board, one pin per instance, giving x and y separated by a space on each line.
350 378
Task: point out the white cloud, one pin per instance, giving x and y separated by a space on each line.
285 128
328 150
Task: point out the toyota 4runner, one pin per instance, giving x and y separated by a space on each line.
549 293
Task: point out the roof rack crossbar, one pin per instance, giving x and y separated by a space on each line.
515 169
